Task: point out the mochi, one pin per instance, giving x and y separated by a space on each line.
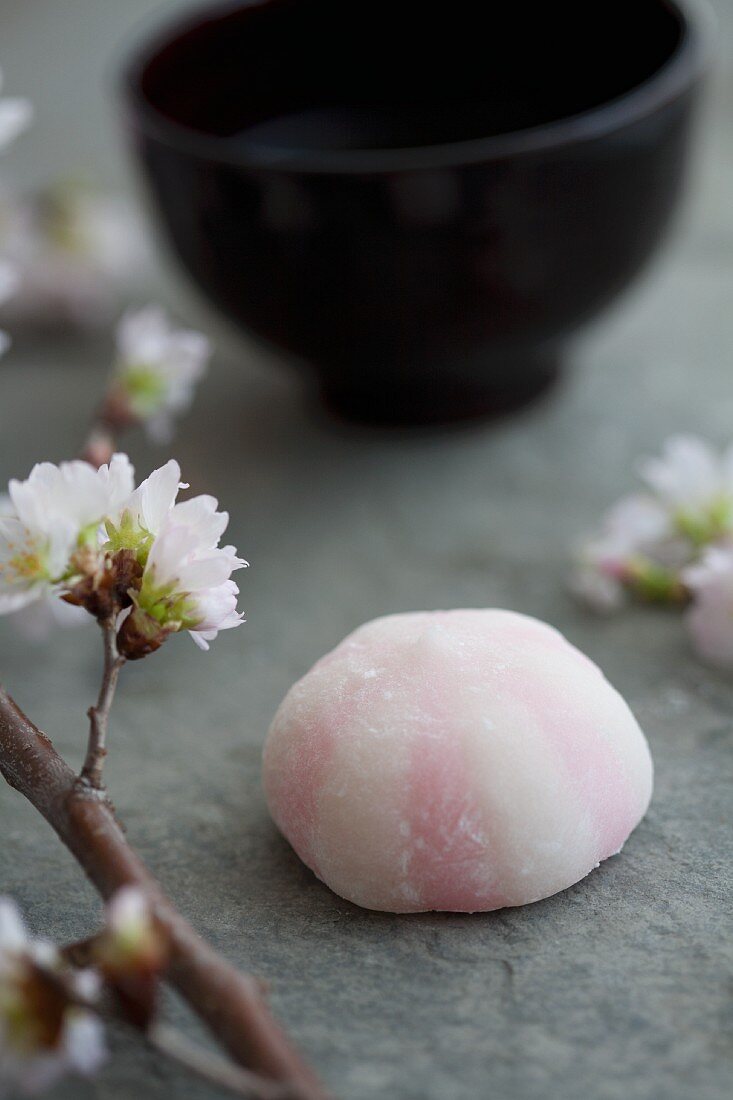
455 760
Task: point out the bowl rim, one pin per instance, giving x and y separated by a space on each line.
682 69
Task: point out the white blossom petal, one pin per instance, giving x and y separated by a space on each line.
84 1048
38 620
153 499
13 936
201 513
15 117
127 906
188 576
73 491
687 474
119 480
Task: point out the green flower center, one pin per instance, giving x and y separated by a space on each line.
62 227
654 582
128 535
707 524
27 563
144 388
168 607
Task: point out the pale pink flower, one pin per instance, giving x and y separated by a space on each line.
59 525
50 515
710 617
187 581
647 538
635 527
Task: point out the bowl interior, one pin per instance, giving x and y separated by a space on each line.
330 75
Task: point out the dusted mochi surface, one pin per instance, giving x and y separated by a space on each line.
455 760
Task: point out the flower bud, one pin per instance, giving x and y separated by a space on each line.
131 954
140 635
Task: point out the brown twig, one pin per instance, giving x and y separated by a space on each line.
99 446
93 765
110 420
207 1064
230 1003
211 1067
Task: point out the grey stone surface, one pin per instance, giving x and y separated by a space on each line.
619 987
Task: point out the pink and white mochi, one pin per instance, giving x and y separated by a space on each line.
455 760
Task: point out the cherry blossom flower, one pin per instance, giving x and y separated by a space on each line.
15 117
636 548
46 1026
646 539
710 617
694 485
53 515
157 369
186 583
37 620
89 536
77 250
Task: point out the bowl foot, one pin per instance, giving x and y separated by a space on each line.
510 385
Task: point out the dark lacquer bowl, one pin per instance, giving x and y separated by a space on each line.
419 203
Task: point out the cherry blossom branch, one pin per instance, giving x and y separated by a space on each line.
209 1067
99 714
99 445
156 370
162 1038
111 419
229 1002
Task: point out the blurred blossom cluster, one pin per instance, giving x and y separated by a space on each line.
88 538
68 253
155 373
15 117
49 1009
77 253
670 543
47 1023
